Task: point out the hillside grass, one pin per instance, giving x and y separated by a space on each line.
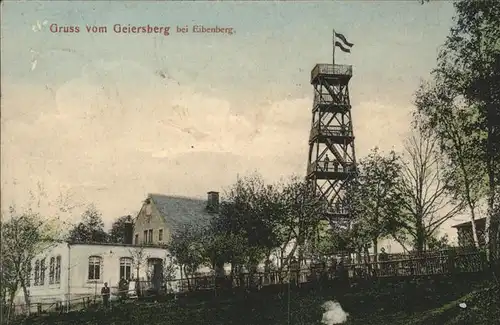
405 303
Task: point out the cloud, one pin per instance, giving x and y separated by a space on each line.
122 126
382 125
158 116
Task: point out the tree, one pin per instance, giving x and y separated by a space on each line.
169 271
439 243
90 229
254 221
375 200
326 242
186 246
244 232
225 247
425 201
139 257
300 224
118 229
9 282
439 115
469 69
24 235
259 219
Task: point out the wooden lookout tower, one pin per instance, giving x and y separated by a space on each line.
332 161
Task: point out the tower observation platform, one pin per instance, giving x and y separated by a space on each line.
332 162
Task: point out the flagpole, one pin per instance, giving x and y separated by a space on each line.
333 49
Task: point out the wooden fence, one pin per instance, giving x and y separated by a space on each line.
435 263
41 308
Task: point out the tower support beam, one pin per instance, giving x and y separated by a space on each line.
332 161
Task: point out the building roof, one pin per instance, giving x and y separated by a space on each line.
479 221
75 243
178 210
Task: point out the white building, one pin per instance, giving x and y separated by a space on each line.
72 270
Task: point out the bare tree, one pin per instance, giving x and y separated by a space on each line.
426 203
9 283
24 236
139 257
169 271
26 233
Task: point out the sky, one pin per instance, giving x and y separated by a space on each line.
107 118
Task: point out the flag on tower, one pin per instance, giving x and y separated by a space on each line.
342 42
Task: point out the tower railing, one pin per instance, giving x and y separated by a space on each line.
330 69
330 166
330 130
326 99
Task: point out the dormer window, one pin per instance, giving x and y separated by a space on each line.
148 209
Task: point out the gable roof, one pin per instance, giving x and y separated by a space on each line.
479 222
178 210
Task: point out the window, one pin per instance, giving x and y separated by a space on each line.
150 237
58 270
125 268
145 236
52 270
137 239
149 210
37 272
160 235
95 268
42 272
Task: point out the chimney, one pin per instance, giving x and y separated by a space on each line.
213 202
128 231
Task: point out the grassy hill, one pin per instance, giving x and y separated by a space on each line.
405 303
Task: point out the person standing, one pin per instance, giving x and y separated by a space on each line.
123 289
105 292
383 259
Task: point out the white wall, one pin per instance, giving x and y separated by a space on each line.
74 280
110 271
48 292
